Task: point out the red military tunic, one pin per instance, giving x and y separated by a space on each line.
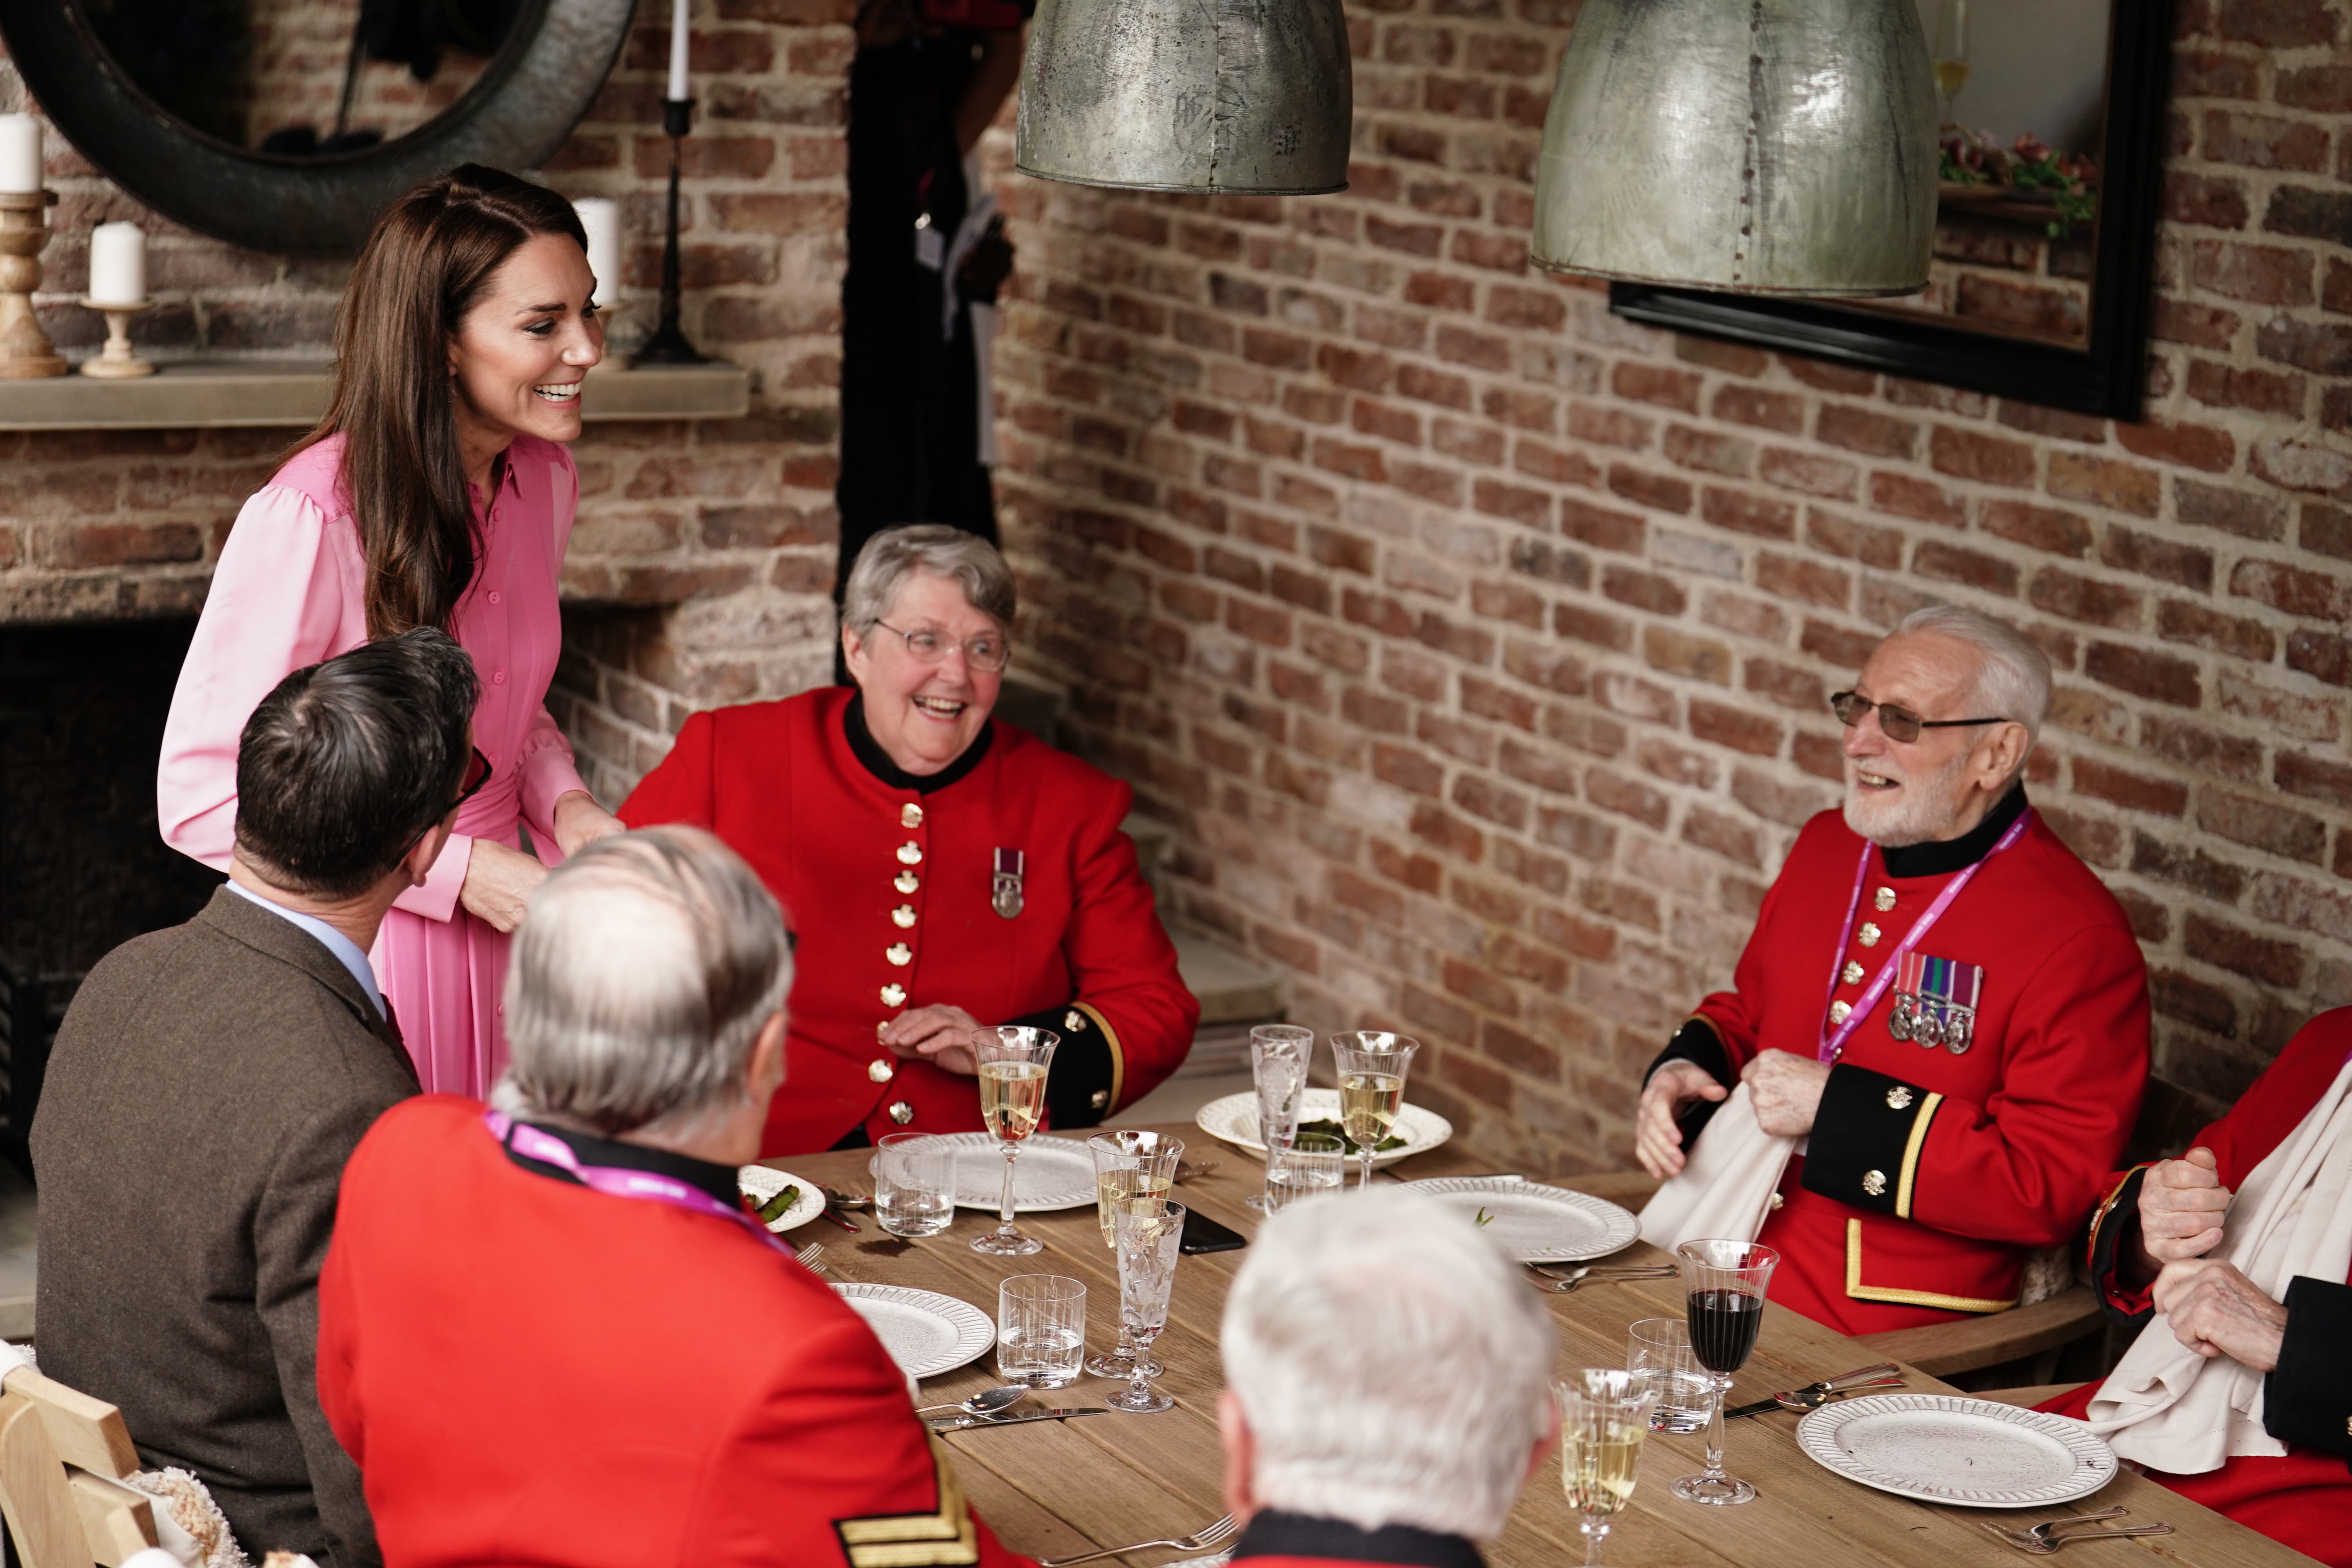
1929 1174
2303 1497
530 1371
888 890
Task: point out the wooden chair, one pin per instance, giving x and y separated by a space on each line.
63 1456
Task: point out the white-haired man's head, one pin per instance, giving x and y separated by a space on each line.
645 995
1384 1365
1983 687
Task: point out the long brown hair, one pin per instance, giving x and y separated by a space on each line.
425 262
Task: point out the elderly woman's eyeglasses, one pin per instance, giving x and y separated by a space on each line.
1899 724
986 651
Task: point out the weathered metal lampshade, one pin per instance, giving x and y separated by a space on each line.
1244 96
1756 146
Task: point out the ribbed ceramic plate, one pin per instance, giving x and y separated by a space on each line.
1053 1172
926 1333
762 1184
1536 1223
1235 1119
1938 1447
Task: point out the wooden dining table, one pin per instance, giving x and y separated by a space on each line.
1051 1488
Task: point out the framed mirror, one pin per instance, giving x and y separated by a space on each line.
286 125
2053 142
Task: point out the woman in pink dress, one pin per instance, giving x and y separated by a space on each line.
436 492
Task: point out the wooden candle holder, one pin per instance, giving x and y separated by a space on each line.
118 358
25 351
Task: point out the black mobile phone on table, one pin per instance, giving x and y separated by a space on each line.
1203 1233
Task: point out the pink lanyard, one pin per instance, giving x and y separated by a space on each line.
613 1180
1833 1042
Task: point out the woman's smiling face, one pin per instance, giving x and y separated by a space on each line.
924 715
520 355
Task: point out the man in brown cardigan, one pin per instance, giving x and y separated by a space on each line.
210 1079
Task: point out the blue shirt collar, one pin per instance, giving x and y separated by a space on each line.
346 951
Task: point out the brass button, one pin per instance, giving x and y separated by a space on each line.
1852 975
1898 1098
1874 1183
906 882
1883 900
910 853
1837 1011
882 1031
1074 1021
899 953
880 1070
910 815
901 1112
894 994
903 916
1777 1200
1869 932
1099 1098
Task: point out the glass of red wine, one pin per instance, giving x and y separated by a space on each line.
1723 1297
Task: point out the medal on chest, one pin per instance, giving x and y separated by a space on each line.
1005 895
1936 1002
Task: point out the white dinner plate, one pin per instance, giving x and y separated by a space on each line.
764 1182
926 1333
1534 1223
1054 1173
1939 1447
1235 1119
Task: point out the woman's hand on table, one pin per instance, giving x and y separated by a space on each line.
499 884
938 1034
1672 1089
579 822
2216 1311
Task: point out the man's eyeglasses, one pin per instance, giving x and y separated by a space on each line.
987 652
1899 724
477 773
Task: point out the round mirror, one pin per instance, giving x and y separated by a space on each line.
287 125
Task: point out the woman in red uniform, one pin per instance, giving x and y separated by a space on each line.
941 871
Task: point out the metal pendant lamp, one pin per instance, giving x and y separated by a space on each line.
1251 97
1754 146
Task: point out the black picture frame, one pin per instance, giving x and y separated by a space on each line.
520 110
2106 376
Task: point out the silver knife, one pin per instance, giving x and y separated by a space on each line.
962 1423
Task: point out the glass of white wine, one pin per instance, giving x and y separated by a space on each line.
1013 1060
1950 55
1131 1167
1373 1065
1603 1417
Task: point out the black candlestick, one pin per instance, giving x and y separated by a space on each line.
667 345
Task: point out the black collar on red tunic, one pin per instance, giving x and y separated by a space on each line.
1273 1534
717 1180
1956 853
876 761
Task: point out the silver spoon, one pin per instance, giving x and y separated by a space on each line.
987 1401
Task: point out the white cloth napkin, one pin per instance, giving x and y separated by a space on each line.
1726 1189
2171 1409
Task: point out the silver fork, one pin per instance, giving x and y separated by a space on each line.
2046 1538
809 1255
1600 1274
1211 1534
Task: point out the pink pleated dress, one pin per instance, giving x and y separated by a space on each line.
288 593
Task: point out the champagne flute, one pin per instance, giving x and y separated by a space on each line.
1150 1232
1603 1417
1950 54
1372 1065
1130 1166
1723 1301
1280 1054
1013 1060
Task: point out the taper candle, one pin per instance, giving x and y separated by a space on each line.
117 264
678 42
20 154
600 216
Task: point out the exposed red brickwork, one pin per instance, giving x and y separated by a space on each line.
1477 639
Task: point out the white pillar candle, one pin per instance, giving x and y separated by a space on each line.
20 154
600 216
117 264
678 42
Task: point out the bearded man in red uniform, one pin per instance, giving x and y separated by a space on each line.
2238 1392
550 1333
1939 998
942 871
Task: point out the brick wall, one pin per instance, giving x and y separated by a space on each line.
1477 640
735 516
